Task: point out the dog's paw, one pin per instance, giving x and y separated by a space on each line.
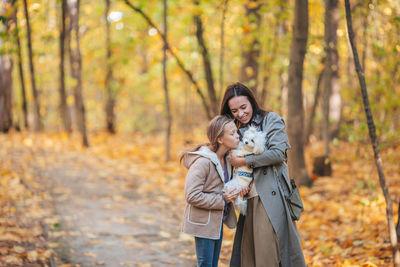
241 205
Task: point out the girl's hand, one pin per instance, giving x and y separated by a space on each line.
236 161
244 191
231 195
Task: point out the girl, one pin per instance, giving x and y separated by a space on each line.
207 206
267 236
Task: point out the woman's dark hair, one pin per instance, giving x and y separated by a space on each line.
239 89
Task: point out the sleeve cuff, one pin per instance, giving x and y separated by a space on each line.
250 161
224 199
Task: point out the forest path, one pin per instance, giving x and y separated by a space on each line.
103 217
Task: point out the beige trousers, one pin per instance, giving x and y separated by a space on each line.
260 247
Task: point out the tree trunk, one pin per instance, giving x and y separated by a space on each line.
222 51
332 100
6 65
295 119
76 69
271 49
65 115
283 86
38 126
398 224
310 124
67 57
5 91
374 140
165 82
328 78
251 45
110 104
283 76
206 64
206 106
20 70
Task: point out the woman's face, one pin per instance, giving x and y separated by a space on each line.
241 108
230 138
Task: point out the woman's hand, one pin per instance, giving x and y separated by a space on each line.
231 195
236 161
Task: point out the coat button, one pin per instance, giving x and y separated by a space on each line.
265 171
273 193
251 166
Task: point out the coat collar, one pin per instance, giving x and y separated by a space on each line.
255 121
212 156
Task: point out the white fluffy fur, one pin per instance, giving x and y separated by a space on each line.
253 142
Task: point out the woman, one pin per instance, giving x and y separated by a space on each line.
207 205
266 236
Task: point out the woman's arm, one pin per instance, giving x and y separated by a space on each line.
277 143
194 187
236 161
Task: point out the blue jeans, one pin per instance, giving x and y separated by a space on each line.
207 251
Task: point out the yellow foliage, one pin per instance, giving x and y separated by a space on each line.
344 223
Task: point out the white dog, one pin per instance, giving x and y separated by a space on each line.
253 142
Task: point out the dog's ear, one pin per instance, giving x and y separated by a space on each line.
260 140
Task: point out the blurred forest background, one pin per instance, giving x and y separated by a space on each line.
139 80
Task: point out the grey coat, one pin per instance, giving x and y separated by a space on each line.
272 185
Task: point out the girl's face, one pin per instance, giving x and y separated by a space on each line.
241 108
230 138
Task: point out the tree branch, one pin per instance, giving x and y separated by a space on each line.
178 60
222 50
374 139
206 62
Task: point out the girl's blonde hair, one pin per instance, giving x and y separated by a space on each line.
215 130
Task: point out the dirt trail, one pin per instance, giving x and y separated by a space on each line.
105 220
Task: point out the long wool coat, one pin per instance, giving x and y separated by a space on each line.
271 189
203 192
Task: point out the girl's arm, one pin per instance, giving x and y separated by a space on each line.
277 143
194 187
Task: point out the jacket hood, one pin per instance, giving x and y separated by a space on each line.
190 157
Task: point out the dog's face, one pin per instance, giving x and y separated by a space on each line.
253 141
